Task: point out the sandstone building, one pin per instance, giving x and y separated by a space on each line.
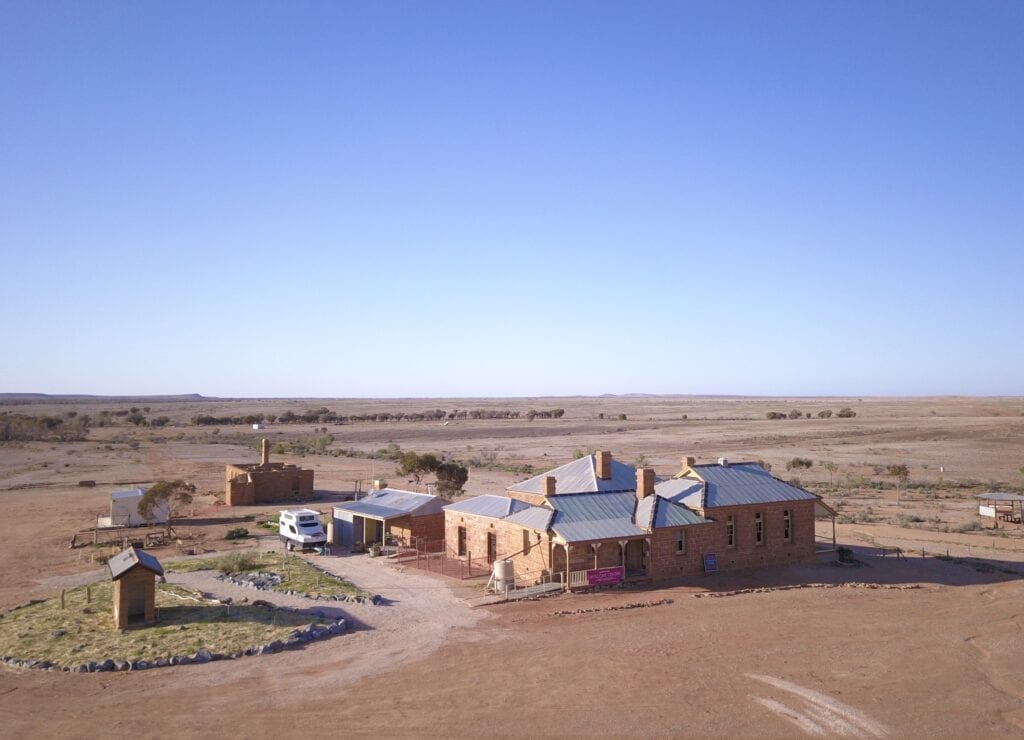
266 482
596 520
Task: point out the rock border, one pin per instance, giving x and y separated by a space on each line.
253 582
769 589
296 639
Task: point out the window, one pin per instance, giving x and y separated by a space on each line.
730 531
759 529
462 541
787 526
681 542
526 542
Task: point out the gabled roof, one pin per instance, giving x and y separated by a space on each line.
654 512
533 517
580 476
389 503
735 484
125 561
489 505
594 516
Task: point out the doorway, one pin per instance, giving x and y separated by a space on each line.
492 547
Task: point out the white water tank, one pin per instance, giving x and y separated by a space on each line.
504 575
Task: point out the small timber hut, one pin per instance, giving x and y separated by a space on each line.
134 574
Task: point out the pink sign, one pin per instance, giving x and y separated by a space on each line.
604 576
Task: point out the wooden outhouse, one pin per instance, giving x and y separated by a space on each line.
134 574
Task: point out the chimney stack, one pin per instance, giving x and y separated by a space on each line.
603 464
644 482
723 462
377 485
265 452
549 485
688 462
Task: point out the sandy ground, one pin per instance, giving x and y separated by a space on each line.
940 659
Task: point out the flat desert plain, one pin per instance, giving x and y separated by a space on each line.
928 644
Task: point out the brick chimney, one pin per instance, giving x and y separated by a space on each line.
265 452
688 462
644 482
549 485
603 464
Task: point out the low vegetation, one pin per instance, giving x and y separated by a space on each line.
71 427
84 631
298 574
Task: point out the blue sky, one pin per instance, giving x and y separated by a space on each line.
424 199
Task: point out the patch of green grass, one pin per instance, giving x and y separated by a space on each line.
82 631
298 575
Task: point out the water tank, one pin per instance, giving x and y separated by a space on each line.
504 575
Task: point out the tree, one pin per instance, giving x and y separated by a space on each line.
417 465
174 492
825 414
846 413
451 477
902 474
831 467
795 414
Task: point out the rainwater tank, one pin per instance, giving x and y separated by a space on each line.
504 575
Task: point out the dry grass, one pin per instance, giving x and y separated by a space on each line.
298 575
83 632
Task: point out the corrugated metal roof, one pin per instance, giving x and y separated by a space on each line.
489 505
654 512
998 496
685 491
534 517
125 561
580 476
593 516
737 484
389 503
670 514
133 493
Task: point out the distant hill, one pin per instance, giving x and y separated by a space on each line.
11 398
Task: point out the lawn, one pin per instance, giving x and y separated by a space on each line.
298 574
84 631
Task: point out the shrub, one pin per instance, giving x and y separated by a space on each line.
825 414
846 413
799 463
238 533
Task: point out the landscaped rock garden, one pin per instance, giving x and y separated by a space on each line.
81 637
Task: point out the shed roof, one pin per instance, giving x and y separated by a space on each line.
125 561
580 476
999 496
131 493
734 484
489 505
390 503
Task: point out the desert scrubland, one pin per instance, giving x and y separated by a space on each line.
928 644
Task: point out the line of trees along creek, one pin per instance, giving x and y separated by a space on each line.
326 416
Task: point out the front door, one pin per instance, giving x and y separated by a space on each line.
492 547
462 541
635 556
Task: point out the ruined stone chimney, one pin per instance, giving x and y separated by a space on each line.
549 485
603 464
644 482
265 452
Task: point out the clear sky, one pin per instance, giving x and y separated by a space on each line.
514 198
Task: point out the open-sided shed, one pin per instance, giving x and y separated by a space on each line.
406 515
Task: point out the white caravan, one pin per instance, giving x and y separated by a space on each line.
301 528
